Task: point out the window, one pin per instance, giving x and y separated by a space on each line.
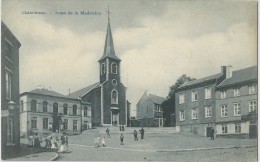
252 89
74 109
45 106
182 115
236 92
208 93
103 68
194 95
194 113
10 130
34 122
114 68
181 98
85 111
75 125
237 110
65 126
208 111
157 108
55 108
8 85
114 97
224 111
22 108
89 112
224 129
237 127
223 94
45 123
65 109
33 105
252 106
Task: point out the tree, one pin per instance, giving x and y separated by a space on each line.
169 104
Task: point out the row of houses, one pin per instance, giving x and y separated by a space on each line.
226 102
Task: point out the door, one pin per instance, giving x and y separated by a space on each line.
115 118
208 131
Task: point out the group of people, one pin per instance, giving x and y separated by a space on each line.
100 141
121 128
52 142
142 134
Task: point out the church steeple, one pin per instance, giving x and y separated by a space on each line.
109 51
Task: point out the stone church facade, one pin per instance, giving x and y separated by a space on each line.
108 96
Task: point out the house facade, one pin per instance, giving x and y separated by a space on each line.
236 104
10 119
108 96
195 104
44 111
149 110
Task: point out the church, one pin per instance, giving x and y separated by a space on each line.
108 96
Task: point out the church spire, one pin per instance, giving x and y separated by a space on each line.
109 50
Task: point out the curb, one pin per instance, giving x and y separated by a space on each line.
55 157
202 149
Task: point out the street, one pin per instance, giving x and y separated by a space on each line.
160 147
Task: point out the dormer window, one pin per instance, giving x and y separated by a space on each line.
114 68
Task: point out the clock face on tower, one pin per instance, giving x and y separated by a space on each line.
114 82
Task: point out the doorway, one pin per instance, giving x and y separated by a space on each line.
115 118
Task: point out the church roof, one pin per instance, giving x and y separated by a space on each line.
109 51
80 93
240 76
44 91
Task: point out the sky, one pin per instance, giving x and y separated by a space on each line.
156 40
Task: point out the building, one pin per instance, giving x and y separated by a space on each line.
44 111
10 120
149 110
108 96
236 104
195 104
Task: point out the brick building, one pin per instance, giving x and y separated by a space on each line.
226 102
44 111
10 121
195 104
149 110
108 96
236 104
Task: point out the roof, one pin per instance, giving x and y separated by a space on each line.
80 93
240 76
44 91
109 51
197 81
156 99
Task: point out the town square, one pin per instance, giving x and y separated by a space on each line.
146 80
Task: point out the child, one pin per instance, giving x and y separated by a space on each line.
122 139
103 142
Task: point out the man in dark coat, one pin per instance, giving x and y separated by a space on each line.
142 133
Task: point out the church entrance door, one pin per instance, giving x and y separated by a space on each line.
115 118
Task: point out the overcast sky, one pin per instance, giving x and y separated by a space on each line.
156 40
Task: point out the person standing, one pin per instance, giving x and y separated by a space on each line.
66 142
122 139
108 133
103 142
212 134
135 135
123 128
142 133
62 138
120 128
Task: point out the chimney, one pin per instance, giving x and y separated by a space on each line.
226 71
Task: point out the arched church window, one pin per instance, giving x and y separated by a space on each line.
114 68
114 97
103 68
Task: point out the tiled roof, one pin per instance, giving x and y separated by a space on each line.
83 91
156 99
240 76
193 82
44 91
